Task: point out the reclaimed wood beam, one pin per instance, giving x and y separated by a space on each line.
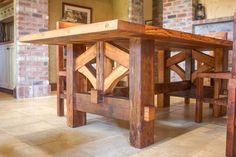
172 86
216 75
141 78
117 29
60 80
203 58
89 74
178 70
163 76
199 100
116 54
231 116
74 118
115 76
202 68
110 107
85 57
218 110
176 59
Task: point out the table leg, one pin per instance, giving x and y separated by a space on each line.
74 118
231 115
141 91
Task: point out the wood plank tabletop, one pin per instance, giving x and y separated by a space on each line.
123 30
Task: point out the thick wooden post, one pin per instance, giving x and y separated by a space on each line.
231 115
141 91
217 109
231 107
98 93
60 81
74 118
189 68
163 76
199 96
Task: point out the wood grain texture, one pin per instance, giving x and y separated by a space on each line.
115 76
214 75
217 110
100 66
61 74
199 100
231 115
179 71
176 59
172 86
89 75
163 76
116 54
203 58
60 81
141 91
202 68
74 118
110 107
117 29
85 57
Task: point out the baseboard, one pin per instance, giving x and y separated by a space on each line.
4 90
53 86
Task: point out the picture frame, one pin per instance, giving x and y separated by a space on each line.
76 13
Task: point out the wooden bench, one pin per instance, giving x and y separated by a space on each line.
214 61
229 100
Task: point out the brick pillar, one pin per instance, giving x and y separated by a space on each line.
32 60
136 12
157 20
157 13
178 14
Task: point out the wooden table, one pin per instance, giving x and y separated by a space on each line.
134 58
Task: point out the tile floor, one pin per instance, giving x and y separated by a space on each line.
30 128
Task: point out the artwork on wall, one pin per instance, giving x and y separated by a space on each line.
76 13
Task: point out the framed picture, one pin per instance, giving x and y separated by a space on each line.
76 13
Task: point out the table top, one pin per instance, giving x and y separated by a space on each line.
123 31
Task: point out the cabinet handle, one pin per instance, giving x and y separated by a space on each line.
8 48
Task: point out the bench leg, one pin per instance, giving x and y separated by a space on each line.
231 115
199 96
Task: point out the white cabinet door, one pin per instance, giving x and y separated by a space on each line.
6 66
3 67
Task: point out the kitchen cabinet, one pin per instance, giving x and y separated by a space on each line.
7 66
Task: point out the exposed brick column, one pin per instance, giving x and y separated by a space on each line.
157 13
136 12
32 60
178 14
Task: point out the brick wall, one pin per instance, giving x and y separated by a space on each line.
178 14
32 60
136 11
157 13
